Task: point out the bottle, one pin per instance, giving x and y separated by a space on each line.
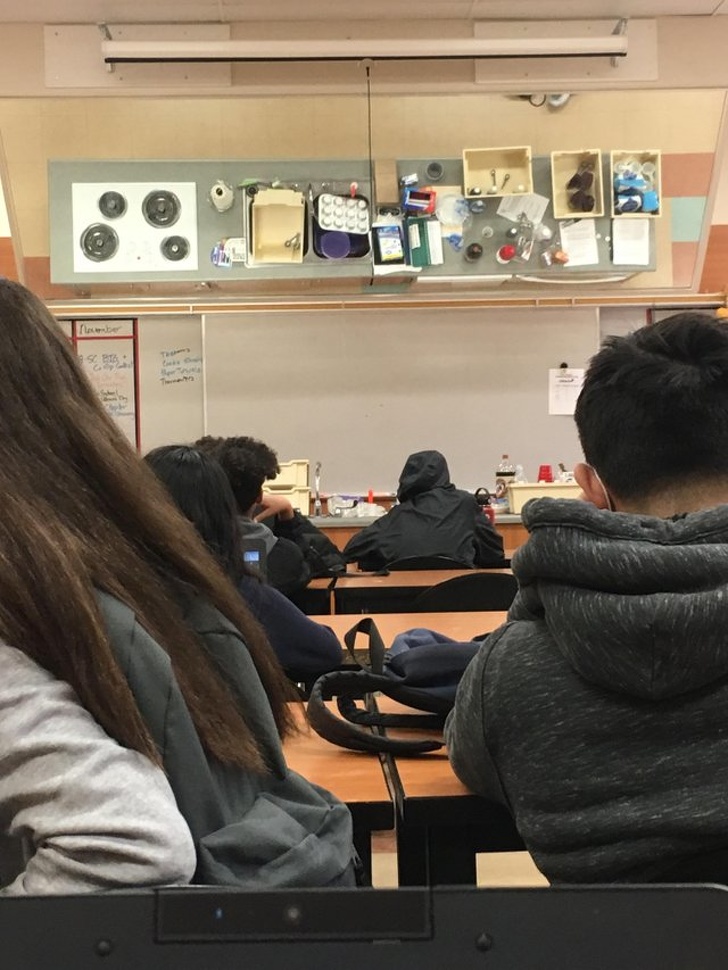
504 475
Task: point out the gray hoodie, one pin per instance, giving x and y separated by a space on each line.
599 712
89 813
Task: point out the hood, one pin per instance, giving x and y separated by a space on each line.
422 471
636 604
251 529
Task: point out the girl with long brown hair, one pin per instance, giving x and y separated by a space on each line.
107 588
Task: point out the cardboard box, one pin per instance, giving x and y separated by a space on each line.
386 183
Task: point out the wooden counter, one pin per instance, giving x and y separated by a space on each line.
340 530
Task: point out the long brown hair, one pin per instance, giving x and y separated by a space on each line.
80 512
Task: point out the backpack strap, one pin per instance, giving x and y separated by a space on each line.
368 627
345 685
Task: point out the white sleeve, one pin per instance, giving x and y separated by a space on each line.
95 814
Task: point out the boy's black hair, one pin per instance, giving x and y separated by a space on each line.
247 463
653 411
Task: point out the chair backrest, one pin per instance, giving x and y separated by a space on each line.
255 556
481 591
424 562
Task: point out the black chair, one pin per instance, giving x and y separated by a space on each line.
481 591
424 562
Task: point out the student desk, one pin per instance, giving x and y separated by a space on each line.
395 592
459 626
355 778
441 825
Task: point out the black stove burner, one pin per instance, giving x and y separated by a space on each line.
99 242
175 248
112 205
161 208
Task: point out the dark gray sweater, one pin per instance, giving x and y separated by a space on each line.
599 712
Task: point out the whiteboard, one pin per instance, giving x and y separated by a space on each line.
171 381
359 390
109 364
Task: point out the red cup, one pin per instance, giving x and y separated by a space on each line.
545 473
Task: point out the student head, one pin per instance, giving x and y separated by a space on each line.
423 471
653 418
80 513
201 489
247 463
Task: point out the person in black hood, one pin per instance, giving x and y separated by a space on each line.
433 518
599 712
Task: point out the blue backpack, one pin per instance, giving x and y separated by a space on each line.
421 670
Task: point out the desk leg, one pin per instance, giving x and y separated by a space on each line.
412 855
436 855
451 854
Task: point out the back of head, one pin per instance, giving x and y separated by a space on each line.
423 471
201 489
82 513
247 463
653 411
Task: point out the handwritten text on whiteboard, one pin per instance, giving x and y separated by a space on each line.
180 365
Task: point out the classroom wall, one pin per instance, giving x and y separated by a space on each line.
436 108
360 390
684 125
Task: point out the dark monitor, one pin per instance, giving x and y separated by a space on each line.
570 928
255 554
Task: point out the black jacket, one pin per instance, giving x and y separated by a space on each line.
432 518
286 568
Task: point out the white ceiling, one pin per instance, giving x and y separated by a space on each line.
144 11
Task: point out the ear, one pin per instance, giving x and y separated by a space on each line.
591 486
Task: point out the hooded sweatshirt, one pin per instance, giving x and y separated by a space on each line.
432 518
599 712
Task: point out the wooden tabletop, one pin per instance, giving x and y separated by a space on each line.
459 626
428 775
355 777
407 577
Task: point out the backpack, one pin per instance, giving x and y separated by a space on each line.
319 552
422 670
321 555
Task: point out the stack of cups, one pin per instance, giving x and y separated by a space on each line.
545 473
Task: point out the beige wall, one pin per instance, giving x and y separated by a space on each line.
35 130
327 117
690 53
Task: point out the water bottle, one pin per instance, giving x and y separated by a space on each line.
504 475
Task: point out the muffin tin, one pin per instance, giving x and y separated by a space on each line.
343 213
